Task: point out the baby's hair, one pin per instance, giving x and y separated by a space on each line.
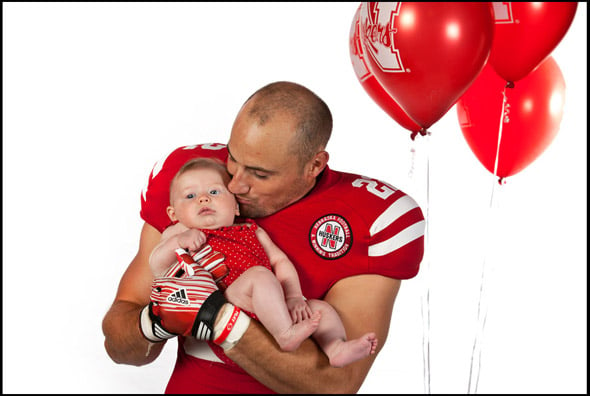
202 163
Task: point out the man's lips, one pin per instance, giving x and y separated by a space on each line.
242 201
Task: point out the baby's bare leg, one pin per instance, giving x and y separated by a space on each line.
257 290
331 336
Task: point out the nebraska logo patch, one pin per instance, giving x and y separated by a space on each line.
330 236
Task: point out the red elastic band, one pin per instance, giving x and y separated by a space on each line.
229 326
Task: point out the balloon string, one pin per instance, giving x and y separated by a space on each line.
425 301
425 268
504 118
412 161
482 306
422 132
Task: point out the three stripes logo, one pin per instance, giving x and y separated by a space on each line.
179 297
203 332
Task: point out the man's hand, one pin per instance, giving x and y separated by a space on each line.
212 261
186 301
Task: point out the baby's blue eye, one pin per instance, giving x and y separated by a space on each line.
190 196
214 192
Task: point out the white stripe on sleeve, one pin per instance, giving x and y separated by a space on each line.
400 239
394 212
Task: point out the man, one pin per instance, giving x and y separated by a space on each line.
353 239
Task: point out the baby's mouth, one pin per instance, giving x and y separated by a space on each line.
205 211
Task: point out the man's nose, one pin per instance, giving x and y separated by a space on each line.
237 185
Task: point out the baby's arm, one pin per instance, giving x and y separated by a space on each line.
174 237
286 273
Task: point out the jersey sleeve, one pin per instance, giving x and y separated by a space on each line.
396 239
395 229
155 197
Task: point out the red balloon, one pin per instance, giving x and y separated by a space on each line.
526 33
425 55
530 122
370 83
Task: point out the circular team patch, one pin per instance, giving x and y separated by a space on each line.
330 236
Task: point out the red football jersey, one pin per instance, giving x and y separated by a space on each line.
347 225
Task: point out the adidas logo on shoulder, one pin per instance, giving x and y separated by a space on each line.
179 297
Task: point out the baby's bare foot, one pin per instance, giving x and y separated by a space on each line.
353 350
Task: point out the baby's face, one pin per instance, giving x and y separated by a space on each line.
200 199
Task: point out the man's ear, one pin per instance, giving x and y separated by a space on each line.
171 213
318 163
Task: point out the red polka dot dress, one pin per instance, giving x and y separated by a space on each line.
241 248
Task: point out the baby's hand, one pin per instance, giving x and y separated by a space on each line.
298 309
191 240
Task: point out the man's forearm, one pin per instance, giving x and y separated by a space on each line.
306 370
124 342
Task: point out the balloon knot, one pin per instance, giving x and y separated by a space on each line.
501 181
509 84
422 132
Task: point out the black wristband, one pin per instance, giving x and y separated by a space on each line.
203 326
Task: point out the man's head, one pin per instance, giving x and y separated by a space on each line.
277 147
199 197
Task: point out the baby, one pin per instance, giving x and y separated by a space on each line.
262 280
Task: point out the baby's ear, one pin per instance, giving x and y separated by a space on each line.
237 209
171 213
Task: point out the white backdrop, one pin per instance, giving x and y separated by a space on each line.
95 93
